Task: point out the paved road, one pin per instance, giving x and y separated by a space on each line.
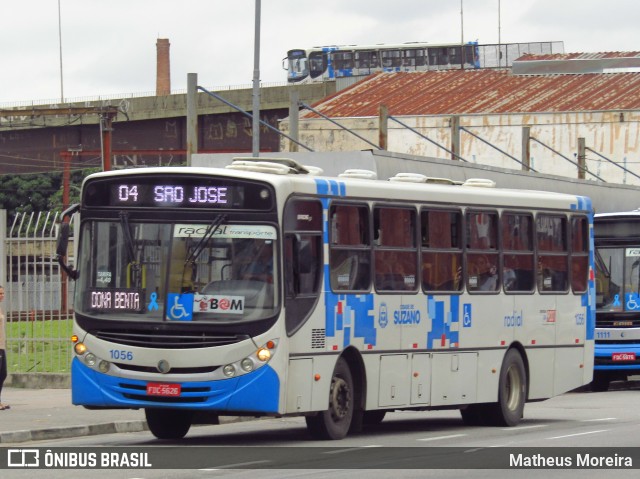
45 414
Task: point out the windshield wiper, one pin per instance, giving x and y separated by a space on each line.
136 266
126 234
199 248
606 271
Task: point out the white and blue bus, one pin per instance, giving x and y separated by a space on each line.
266 289
331 62
617 335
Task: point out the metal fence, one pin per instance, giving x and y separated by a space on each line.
37 301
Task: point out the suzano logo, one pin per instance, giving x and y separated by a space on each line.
406 315
383 316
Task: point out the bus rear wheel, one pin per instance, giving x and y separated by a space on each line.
334 423
168 423
512 392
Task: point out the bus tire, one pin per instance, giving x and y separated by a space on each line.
334 423
512 392
168 423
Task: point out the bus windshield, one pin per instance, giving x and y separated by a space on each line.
617 279
214 272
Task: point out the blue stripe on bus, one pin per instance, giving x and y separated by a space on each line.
583 204
365 324
330 187
350 313
589 298
326 188
441 333
255 392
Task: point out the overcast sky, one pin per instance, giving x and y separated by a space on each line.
109 47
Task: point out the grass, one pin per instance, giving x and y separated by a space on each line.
39 346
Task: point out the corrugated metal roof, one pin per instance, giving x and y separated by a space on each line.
481 91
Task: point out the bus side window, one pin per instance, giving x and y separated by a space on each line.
317 64
517 247
441 256
579 254
482 254
551 236
349 249
395 251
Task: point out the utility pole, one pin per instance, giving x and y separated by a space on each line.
60 44
106 129
256 86
499 46
461 36
192 115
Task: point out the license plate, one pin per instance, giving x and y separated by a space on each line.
160 389
623 357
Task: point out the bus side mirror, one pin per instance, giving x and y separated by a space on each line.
63 240
63 243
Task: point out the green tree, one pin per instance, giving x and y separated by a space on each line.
40 192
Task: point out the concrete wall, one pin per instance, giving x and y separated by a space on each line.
615 135
171 106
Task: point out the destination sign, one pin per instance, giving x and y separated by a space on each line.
115 299
177 192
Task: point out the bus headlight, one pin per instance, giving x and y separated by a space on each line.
104 366
247 365
253 362
229 370
90 359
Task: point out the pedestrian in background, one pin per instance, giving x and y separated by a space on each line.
3 350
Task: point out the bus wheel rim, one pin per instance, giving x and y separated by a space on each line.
513 388
340 399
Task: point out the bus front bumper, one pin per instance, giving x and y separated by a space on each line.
257 392
621 357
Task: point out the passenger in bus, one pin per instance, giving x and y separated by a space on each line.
550 278
486 278
509 279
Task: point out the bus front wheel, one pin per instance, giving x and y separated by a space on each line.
334 423
168 423
512 392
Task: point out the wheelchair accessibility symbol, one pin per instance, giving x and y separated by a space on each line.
466 315
180 307
632 302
